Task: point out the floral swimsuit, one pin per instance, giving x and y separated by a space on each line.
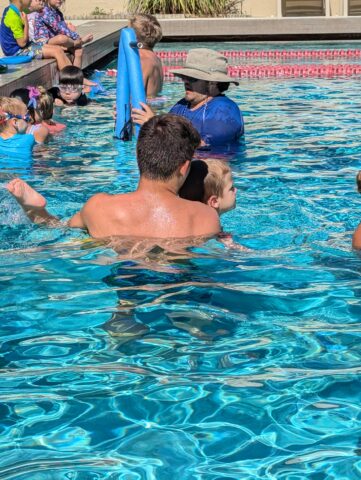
49 23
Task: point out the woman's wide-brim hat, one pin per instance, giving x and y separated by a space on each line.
205 64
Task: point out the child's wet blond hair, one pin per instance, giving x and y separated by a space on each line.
45 105
215 181
9 105
147 29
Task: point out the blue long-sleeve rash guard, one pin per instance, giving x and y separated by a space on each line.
219 121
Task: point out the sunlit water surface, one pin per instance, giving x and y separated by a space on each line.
223 365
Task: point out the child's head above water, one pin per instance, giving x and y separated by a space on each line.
37 100
13 115
147 29
71 83
210 181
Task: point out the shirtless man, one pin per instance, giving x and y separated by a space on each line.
165 148
149 32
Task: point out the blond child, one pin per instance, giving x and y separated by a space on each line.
14 121
210 181
40 106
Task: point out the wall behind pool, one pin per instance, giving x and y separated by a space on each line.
253 8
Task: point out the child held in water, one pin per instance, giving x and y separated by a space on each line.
14 121
70 90
40 106
210 181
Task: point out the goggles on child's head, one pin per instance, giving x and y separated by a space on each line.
8 116
70 88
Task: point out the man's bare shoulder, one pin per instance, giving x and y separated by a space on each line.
100 201
206 214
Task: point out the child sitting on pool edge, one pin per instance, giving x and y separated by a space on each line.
210 181
71 88
14 36
14 121
51 28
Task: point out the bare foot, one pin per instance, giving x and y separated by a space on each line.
26 196
87 38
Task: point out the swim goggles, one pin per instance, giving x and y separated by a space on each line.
5 116
70 88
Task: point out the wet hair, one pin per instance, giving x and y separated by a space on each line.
9 105
147 29
71 75
165 143
205 179
44 102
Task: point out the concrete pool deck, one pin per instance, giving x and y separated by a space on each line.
106 32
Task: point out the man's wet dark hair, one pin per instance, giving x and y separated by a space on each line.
71 75
165 143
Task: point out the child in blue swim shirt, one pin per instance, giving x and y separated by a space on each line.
14 120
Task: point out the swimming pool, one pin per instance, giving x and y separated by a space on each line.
223 365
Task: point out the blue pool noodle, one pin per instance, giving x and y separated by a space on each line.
122 129
130 87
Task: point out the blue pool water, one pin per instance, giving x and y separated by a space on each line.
224 365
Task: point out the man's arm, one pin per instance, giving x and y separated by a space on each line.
77 221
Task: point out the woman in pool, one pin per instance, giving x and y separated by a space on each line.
216 117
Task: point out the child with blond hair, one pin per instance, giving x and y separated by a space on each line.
14 121
210 181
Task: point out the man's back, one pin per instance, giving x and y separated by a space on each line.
147 214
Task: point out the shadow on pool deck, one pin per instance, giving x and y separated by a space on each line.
44 72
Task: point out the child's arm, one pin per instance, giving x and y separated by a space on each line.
21 31
59 27
227 240
41 134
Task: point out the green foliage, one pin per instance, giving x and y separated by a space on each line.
202 8
98 12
